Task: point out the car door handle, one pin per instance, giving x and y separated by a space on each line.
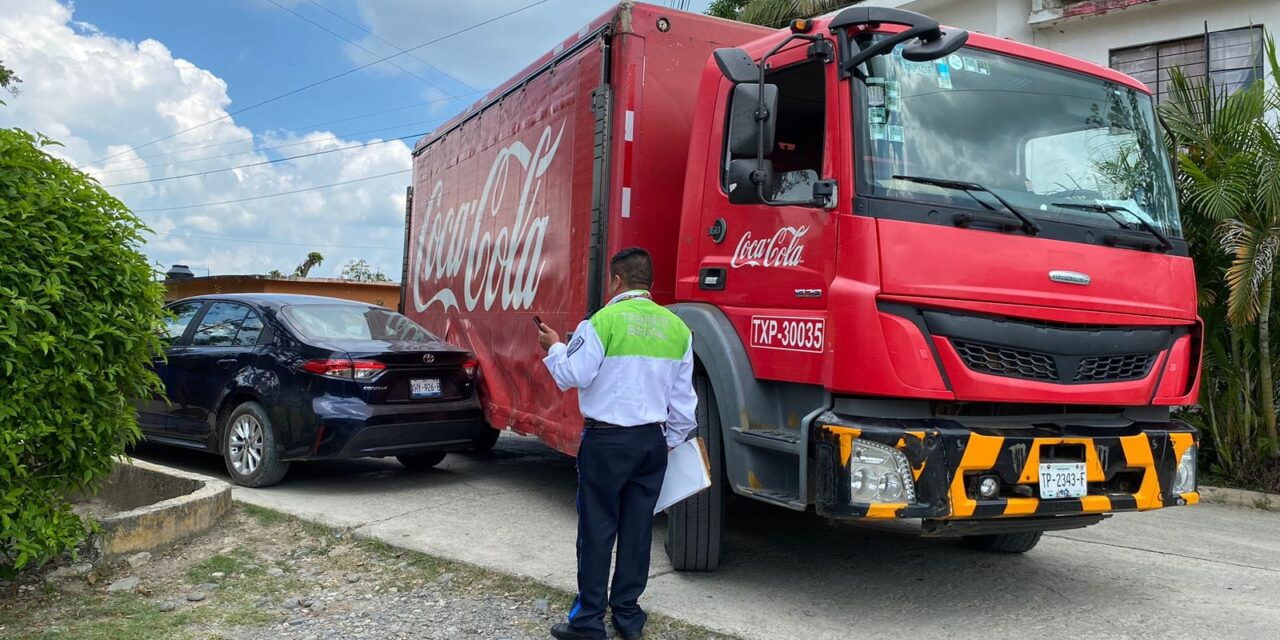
227 362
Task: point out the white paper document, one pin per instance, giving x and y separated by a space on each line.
688 472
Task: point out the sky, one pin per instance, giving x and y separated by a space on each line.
119 82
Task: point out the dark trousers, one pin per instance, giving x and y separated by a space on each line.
619 475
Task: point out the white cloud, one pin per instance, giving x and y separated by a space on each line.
94 93
483 57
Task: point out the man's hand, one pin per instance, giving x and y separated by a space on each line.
547 336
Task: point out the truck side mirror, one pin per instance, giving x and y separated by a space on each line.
737 65
739 184
747 113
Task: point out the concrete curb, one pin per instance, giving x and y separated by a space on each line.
191 504
1240 498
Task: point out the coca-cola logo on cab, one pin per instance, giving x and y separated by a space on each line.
783 249
502 264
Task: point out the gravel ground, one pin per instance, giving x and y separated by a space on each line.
260 575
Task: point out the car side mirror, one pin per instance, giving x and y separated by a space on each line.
747 114
740 182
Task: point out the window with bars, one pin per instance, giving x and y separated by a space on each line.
1232 58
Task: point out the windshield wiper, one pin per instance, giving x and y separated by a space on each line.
1029 226
1108 209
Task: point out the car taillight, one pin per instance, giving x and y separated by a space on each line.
358 370
471 367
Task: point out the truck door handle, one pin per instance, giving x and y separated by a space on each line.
712 278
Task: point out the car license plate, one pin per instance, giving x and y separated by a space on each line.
1063 480
424 388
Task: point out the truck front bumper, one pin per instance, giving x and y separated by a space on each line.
1128 468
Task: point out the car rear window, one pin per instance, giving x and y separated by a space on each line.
350 322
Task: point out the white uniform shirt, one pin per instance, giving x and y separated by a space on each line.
639 372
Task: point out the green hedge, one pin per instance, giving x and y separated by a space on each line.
79 309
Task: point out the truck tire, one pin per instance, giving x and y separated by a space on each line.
1006 542
249 447
695 527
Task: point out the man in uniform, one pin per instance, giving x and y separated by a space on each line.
632 362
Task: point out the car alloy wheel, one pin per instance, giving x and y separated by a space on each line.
245 448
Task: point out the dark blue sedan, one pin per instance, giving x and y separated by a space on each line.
266 379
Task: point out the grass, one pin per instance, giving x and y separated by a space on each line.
245 582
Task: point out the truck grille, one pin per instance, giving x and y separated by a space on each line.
1113 368
1011 363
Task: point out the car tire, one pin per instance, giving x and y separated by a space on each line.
695 526
420 461
488 438
249 447
1006 542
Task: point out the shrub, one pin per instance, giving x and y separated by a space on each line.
79 310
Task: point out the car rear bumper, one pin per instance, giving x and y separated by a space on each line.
351 428
1128 469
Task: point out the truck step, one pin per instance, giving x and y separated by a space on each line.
780 498
775 439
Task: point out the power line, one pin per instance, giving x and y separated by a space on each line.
173 234
390 44
362 145
329 138
293 130
358 46
324 80
271 195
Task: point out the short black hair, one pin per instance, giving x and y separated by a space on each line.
634 266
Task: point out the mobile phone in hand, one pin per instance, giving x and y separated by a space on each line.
537 322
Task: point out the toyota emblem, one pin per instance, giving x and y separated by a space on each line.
429 358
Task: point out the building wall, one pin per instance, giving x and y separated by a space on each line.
1109 24
384 294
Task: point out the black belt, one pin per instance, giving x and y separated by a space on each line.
592 423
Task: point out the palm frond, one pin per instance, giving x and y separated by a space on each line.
779 13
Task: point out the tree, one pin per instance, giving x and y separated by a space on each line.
359 270
8 81
79 326
773 13
313 260
1229 156
728 9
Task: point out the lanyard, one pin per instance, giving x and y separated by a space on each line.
631 295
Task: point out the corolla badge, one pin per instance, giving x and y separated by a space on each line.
1070 277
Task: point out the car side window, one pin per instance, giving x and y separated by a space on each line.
220 325
175 324
251 331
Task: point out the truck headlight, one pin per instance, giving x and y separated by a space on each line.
1185 480
878 473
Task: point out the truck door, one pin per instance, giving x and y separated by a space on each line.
768 266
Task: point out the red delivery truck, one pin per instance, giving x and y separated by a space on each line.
930 274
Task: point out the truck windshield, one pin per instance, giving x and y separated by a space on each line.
1038 136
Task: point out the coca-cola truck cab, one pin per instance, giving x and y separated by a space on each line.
930 274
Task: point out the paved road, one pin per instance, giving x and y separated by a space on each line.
1202 572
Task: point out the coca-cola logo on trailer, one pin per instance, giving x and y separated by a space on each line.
500 265
784 249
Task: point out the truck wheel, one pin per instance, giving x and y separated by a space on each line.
695 527
419 461
249 447
1006 542
488 438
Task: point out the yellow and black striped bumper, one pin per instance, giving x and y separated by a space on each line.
1128 468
